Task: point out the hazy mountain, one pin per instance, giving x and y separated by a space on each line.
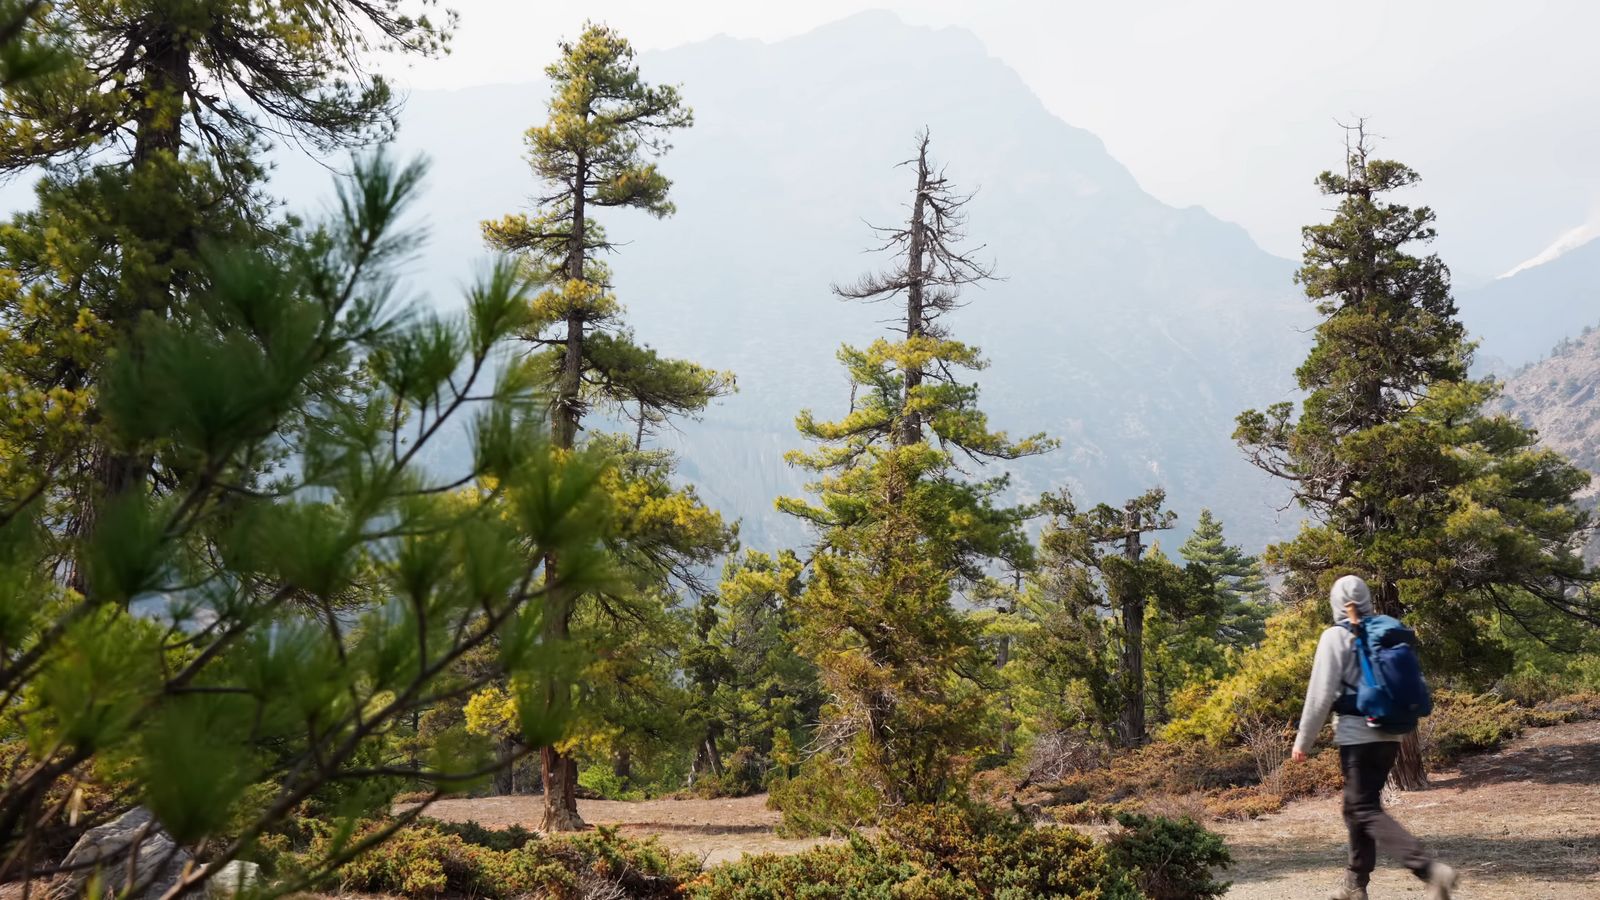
1560 396
1519 318
1131 330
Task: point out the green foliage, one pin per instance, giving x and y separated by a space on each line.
424 860
513 837
258 633
823 797
1173 860
1269 683
754 694
1468 723
1393 454
901 526
932 853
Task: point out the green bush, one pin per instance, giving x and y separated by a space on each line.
824 797
1172 860
422 860
948 852
742 775
513 837
1467 723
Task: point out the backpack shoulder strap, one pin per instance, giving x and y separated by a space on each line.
1362 654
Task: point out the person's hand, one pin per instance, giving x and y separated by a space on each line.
1299 756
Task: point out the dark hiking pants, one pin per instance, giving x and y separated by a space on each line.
1366 770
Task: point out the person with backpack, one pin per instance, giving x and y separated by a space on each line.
1366 674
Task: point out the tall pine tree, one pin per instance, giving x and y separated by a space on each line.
900 526
1455 516
150 118
596 152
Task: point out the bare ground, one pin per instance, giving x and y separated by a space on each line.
1521 824
717 831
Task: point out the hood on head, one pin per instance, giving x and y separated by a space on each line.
1348 589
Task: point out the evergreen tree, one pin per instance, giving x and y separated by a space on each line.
900 526
595 152
1094 561
755 693
261 633
1454 516
150 117
1242 594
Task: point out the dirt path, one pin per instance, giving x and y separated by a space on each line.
1522 824
715 830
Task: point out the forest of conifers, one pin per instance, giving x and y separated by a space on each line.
244 593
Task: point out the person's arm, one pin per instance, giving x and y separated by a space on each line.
1327 682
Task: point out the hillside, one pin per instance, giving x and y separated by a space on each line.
1131 330
1560 396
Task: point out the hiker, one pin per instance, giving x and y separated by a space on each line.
1366 753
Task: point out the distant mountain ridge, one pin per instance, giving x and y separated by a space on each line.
1133 331
1519 318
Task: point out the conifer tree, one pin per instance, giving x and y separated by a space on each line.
1455 516
1242 593
900 526
596 152
755 694
1096 559
304 587
151 116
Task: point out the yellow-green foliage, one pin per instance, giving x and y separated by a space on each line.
936 853
429 861
1269 682
1468 723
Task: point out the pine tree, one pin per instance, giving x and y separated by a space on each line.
305 587
900 526
150 117
755 693
1096 559
1243 597
1454 516
595 152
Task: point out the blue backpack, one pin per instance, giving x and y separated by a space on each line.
1392 694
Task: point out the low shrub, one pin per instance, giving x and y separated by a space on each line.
421 860
1467 723
1236 804
513 837
742 775
935 853
824 798
1319 776
1172 860
1164 768
1583 707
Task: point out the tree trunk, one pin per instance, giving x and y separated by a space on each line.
505 777
557 771
1133 609
910 429
560 792
622 765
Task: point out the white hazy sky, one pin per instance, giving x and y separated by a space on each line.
1228 104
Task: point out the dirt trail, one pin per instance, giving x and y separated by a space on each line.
1522 824
715 830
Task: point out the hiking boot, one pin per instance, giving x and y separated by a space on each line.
1442 880
1350 889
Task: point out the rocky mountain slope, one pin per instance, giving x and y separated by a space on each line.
1560 396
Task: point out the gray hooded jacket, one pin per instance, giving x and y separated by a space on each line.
1336 668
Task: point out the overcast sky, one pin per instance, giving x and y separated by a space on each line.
1228 105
